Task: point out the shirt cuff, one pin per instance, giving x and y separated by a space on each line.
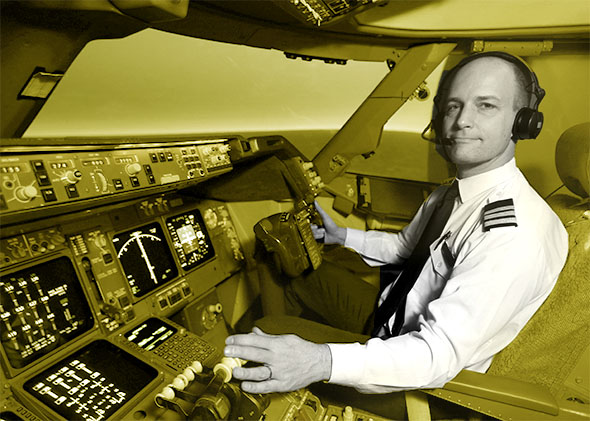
354 239
347 363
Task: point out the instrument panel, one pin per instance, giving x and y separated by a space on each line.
98 249
96 276
85 297
116 258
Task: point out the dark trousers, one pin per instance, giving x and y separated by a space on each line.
334 296
335 306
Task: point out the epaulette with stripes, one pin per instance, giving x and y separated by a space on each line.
499 214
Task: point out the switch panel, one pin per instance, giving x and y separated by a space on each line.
31 178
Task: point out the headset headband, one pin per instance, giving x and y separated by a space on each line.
532 83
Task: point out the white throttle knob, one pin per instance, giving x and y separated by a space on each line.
180 382
226 366
167 392
197 367
189 374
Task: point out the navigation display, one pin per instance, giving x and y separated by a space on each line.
190 239
41 308
150 334
91 384
145 257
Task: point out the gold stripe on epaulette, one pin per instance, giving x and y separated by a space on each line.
499 214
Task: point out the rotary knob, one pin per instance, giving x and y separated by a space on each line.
57 239
101 181
133 169
72 176
25 193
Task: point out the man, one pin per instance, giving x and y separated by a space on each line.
493 263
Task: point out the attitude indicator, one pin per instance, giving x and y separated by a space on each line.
145 257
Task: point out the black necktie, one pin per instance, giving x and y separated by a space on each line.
395 302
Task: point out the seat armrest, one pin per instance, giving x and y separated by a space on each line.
502 389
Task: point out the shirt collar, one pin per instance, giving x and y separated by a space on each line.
471 186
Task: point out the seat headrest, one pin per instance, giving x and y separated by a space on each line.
572 159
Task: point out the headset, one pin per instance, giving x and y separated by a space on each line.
528 121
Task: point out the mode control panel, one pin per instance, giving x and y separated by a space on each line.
31 178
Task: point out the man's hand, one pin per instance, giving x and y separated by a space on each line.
289 362
330 232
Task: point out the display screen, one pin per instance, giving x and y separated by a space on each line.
191 241
145 257
92 383
150 334
41 308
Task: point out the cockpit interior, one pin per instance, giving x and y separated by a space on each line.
151 148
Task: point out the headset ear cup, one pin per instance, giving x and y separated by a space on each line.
535 124
527 124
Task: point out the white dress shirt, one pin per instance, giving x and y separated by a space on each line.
468 304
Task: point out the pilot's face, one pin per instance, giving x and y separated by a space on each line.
478 116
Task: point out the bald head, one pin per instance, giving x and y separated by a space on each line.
512 75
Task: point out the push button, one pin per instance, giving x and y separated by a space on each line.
72 191
38 165
118 183
163 302
49 195
124 301
43 178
